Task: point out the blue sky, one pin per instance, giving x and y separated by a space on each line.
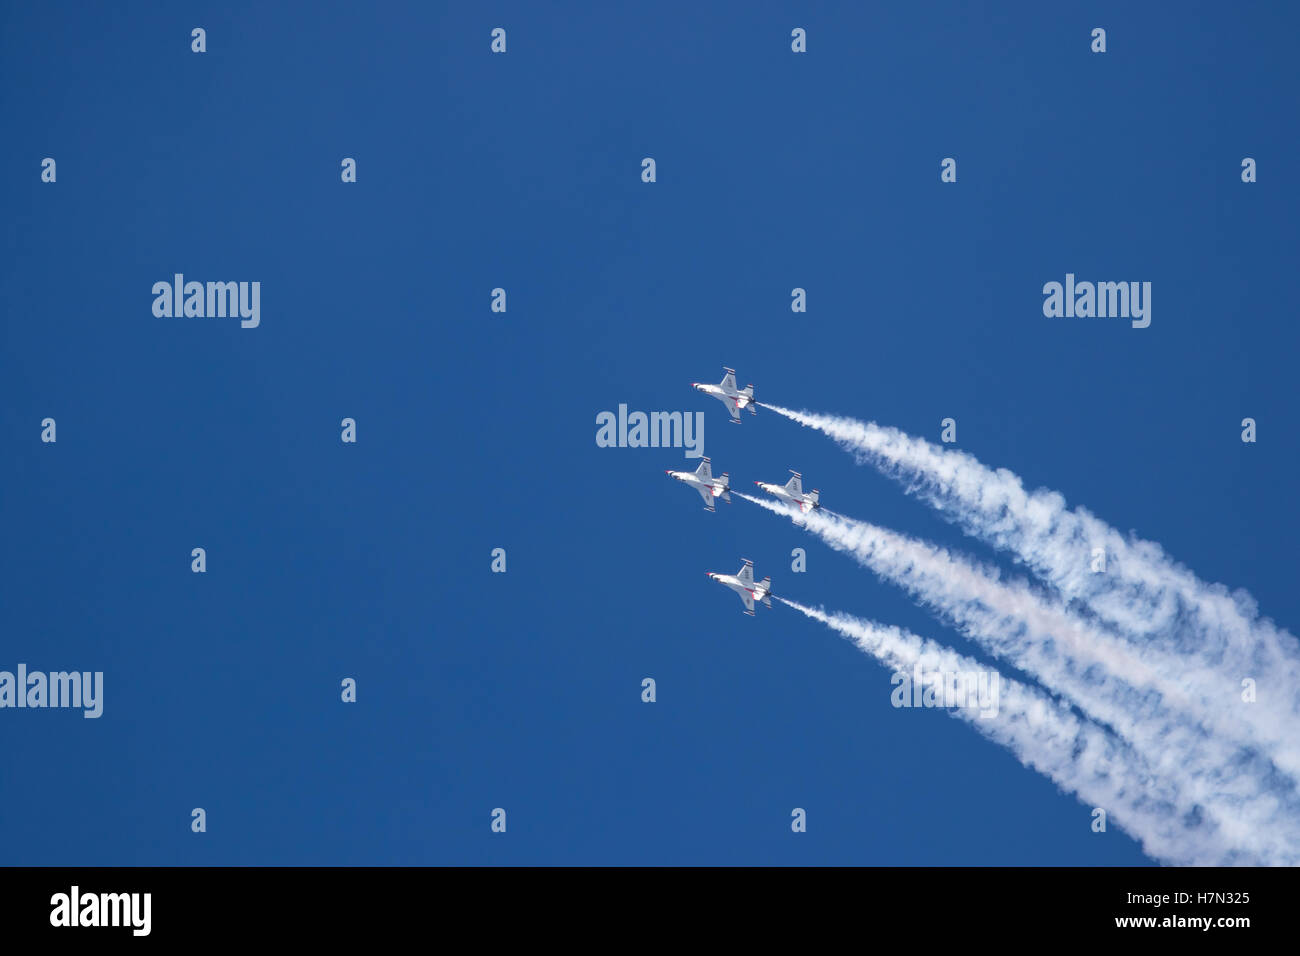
477 430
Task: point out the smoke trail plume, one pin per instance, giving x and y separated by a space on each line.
1152 601
1214 760
1077 756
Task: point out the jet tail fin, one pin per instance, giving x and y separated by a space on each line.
766 586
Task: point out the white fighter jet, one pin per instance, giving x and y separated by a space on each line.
742 582
792 493
702 480
735 399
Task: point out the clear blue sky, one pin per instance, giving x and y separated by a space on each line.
477 430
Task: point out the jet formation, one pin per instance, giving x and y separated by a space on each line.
711 488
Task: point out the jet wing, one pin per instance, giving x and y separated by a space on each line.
707 495
729 380
749 602
746 574
703 472
733 406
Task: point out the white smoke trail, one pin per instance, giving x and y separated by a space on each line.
1217 764
1152 600
1076 755
1005 616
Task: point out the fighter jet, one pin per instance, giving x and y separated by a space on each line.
735 399
742 582
702 480
792 493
